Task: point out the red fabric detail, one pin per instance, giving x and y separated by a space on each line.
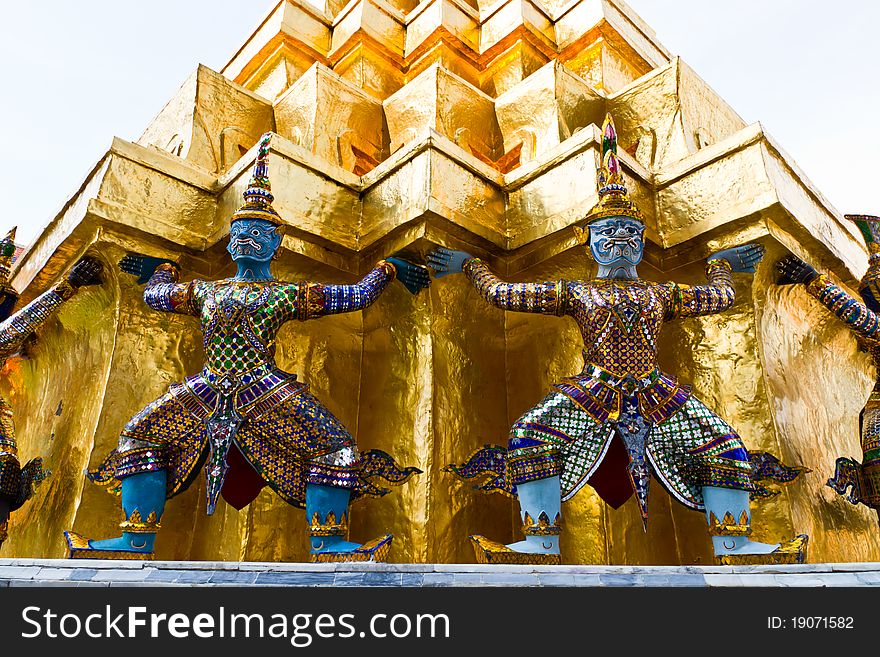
243 483
611 480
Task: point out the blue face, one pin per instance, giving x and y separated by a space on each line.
617 242
253 239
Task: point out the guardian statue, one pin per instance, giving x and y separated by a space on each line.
243 421
621 420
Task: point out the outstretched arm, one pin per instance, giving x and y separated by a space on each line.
308 300
335 299
549 298
163 291
719 294
15 330
696 300
348 298
853 312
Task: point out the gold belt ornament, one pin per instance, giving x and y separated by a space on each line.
627 383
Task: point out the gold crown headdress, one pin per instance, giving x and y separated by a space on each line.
869 285
614 198
258 195
7 253
869 225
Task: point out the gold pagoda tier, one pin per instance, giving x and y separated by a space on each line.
402 126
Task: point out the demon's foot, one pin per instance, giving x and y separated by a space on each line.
752 553
491 552
127 546
332 549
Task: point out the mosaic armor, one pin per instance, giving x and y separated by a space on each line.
242 401
570 432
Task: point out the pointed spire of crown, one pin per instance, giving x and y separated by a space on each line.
7 252
614 199
869 225
258 195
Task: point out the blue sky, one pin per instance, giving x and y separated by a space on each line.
77 73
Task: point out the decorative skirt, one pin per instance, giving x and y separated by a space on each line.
281 446
690 449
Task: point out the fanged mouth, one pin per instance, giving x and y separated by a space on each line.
247 245
620 248
629 244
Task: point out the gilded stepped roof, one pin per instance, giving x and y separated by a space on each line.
381 45
448 141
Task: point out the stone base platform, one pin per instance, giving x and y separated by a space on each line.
61 572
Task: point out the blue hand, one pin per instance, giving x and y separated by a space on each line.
446 261
741 258
87 271
792 269
142 266
414 277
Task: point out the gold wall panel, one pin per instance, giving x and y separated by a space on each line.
706 117
652 106
303 21
552 198
455 18
398 198
172 128
677 108
328 116
152 201
294 19
395 411
439 100
618 69
433 391
511 16
545 109
210 122
449 56
374 18
279 71
840 241
603 67
467 199
369 70
510 67
735 185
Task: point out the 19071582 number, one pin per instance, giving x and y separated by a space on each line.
821 622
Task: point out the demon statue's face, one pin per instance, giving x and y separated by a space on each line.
254 240
617 244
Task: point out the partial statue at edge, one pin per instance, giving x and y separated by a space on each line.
858 482
622 419
17 483
242 420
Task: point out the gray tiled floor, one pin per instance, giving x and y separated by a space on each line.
61 572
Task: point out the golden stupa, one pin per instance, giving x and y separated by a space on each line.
403 125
